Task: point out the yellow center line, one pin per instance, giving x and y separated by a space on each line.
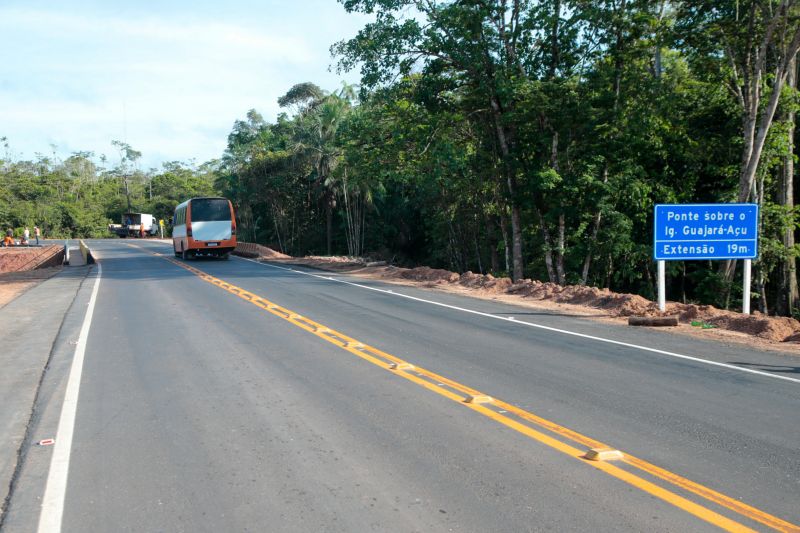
417 374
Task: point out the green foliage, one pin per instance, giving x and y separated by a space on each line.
77 198
578 116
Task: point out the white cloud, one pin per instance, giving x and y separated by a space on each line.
169 86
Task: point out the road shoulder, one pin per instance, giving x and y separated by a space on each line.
33 322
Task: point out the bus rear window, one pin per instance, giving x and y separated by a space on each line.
210 210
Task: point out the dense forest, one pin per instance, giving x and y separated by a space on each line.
520 138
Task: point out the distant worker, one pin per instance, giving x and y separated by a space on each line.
26 235
36 232
141 230
8 240
23 241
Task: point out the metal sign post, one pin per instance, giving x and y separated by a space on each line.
685 232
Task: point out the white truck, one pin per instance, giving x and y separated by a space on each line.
132 224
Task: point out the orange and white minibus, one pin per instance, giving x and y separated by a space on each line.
204 226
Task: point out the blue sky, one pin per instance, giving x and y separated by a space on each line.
169 78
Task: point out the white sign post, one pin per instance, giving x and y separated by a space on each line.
662 291
746 288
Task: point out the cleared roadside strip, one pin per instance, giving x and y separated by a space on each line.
522 421
56 486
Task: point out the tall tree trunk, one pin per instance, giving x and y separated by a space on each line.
511 182
548 248
788 291
127 192
561 241
562 277
761 274
516 238
752 70
619 64
657 52
555 49
491 237
329 222
587 261
506 246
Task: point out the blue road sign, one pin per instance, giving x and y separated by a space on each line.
705 231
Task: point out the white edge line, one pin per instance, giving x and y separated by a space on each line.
539 326
56 487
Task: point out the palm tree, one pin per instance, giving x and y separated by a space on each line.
318 122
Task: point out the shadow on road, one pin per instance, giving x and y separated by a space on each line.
782 369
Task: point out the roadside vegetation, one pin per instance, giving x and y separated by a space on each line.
519 138
80 195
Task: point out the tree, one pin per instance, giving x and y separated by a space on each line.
127 156
317 140
758 40
479 46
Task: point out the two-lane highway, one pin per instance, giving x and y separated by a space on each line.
237 396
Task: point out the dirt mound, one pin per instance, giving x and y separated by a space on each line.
251 249
269 253
487 283
428 274
773 328
336 259
793 338
616 304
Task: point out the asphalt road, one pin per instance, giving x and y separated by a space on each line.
200 411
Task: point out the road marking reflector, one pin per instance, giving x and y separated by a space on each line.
401 366
604 454
480 398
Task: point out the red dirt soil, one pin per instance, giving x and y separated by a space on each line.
23 258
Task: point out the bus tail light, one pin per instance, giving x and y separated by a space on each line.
188 231
233 229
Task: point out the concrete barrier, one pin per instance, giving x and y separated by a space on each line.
86 252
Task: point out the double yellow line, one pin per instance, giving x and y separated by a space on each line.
519 420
